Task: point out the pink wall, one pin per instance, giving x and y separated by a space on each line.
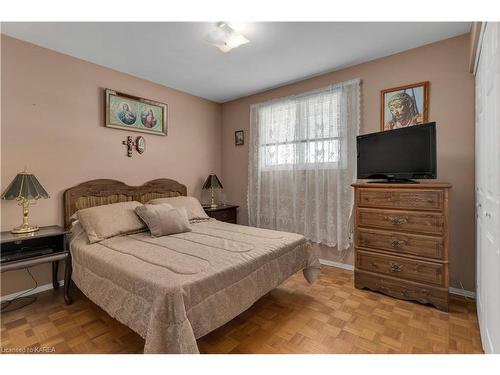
445 65
52 116
52 122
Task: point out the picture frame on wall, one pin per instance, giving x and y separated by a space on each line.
404 106
239 138
128 112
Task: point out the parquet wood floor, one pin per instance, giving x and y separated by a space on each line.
329 317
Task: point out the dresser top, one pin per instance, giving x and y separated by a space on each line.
220 207
49 231
385 185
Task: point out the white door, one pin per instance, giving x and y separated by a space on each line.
487 187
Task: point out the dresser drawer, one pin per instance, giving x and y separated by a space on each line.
229 216
414 221
402 289
404 268
405 199
401 243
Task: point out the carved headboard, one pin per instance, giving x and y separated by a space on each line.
98 192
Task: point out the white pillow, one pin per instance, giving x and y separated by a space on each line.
110 220
191 204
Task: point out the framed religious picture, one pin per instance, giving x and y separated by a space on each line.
404 106
239 138
129 112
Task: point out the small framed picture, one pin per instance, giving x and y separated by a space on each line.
239 137
404 106
140 144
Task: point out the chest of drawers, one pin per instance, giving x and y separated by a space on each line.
225 212
401 240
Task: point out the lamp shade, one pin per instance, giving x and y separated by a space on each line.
25 186
212 182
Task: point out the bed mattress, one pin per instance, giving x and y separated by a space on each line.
174 289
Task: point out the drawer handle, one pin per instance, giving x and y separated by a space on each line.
396 267
396 220
397 244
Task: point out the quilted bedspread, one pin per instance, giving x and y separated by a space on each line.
174 289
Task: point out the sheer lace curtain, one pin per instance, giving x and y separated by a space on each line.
302 160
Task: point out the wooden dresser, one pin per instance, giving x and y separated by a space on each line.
223 212
401 240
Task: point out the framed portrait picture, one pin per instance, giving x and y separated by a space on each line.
239 138
129 112
404 106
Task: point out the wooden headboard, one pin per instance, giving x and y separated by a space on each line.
98 192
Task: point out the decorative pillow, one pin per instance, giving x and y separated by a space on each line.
191 204
163 219
110 220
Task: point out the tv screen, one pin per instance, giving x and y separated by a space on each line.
398 154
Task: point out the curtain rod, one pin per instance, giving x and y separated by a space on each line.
308 93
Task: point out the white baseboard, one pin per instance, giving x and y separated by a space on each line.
456 291
463 292
39 289
337 264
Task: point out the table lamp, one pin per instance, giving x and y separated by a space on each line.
212 183
24 187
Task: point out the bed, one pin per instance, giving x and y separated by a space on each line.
174 289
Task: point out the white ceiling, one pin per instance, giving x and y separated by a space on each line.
175 54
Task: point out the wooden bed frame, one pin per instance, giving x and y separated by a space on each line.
98 192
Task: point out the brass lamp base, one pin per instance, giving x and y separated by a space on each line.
24 229
212 203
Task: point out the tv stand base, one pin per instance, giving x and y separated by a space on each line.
394 181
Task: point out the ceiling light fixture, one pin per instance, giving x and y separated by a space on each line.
225 37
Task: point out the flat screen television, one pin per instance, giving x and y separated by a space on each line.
398 155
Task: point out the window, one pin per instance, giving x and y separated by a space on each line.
302 161
300 132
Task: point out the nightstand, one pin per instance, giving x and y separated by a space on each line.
47 245
223 212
